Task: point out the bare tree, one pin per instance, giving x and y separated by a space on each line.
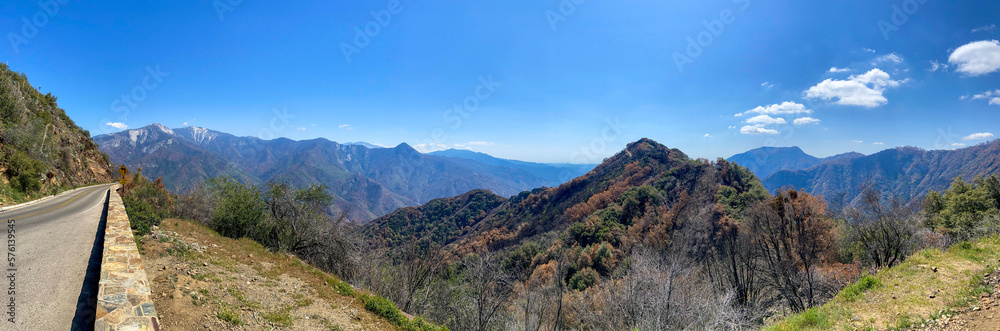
884 228
488 288
793 235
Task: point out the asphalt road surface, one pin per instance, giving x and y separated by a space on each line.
54 244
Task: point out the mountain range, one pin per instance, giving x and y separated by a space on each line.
903 172
368 182
765 161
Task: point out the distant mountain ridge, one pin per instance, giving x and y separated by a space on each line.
765 161
368 182
904 172
553 173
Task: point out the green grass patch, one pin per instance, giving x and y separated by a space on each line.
928 282
228 315
279 318
865 283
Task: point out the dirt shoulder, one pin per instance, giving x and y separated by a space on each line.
203 281
982 315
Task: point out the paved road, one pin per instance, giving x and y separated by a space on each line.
53 246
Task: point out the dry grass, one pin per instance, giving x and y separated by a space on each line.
908 293
239 284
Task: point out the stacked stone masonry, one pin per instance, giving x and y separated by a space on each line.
124 301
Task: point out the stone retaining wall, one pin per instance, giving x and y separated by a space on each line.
123 300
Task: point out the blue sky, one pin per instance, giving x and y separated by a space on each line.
549 81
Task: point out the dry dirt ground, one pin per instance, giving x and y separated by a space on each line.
984 315
202 281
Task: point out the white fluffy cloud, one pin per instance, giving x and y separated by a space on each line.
836 70
757 129
764 119
347 127
957 145
878 143
977 58
978 136
767 85
863 90
707 136
117 125
805 120
784 108
992 96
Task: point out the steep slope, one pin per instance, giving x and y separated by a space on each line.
905 172
552 174
647 195
765 161
41 147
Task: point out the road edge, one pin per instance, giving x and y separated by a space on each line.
124 301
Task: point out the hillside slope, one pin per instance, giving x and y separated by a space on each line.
647 195
41 148
200 280
919 292
905 172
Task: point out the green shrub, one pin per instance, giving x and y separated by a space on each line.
583 279
865 283
142 216
240 211
24 171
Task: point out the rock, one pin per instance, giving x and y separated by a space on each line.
204 264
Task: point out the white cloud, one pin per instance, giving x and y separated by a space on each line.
430 147
992 96
479 143
767 85
935 65
977 58
985 28
857 141
117 125
869 50
347 127
784 108
863 90
764 119
732 126
957 145
978 136
707 136
805 120
757 129
878 143
184 124
891 57
301 129
836 70
963 97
